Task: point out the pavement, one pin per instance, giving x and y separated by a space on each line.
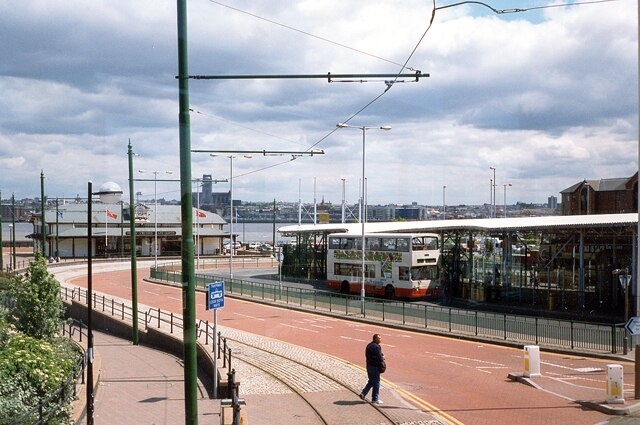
136 384
141 385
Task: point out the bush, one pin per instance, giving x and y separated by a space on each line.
36 308
31 370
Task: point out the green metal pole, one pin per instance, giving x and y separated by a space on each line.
273 239
134 268
57 233
13 229
188 272
121 229
44 221
1 248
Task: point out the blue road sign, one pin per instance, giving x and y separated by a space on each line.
215 295
633 326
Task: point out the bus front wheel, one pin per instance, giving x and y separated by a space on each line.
344 288
389 292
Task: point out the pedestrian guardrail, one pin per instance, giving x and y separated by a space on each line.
520 329
168 321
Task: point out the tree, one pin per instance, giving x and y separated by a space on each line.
36 308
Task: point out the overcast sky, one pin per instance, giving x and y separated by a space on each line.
548 97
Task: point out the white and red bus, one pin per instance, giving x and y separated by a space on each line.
396 265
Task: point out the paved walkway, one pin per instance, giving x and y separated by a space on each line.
140 385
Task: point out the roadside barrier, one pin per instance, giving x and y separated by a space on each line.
517 329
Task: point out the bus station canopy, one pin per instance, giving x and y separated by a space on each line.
563 222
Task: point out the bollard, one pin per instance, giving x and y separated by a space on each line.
615 384
531 361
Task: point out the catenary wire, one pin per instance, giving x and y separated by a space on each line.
289 27
404 65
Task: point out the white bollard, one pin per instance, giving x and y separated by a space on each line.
615 384
531 361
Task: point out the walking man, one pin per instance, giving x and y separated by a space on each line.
375 366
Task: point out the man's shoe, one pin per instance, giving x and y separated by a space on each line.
362 397
377 402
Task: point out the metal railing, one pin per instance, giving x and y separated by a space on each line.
48 407
520 329
169 322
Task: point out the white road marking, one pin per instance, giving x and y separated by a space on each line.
248 317
353 339
321 326
448 356
297 327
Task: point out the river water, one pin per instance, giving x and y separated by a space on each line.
247 232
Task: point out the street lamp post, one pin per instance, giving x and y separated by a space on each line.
155 211
11 265
231 241
505 198
493 191
444 203
625 280
362 201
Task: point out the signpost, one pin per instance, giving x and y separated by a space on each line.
633 327
215 300
215 295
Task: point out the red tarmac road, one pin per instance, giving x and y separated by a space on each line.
464 382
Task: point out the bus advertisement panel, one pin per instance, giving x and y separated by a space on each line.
396 265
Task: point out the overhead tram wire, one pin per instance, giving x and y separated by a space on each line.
524 9
195 111
389 83
433 15
253 15
403 66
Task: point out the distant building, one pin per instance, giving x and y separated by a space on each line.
66 230
604 196
21 213
552 202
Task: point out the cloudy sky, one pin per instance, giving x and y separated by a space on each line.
547 96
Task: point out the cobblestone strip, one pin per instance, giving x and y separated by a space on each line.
336 370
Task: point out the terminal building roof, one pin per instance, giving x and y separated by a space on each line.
481 225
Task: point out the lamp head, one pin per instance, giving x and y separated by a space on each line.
385 127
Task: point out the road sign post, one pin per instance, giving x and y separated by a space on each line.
215 300
633 327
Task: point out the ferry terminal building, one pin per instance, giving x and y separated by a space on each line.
66 230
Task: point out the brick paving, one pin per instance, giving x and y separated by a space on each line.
140 385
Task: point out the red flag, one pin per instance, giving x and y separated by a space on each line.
112 215
200 213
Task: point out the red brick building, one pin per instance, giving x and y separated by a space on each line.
604 196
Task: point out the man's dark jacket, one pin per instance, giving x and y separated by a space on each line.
374 355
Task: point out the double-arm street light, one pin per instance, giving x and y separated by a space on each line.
505 198
155 211
492 190
444 203
362 200
231 241
247 154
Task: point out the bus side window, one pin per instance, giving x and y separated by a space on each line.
389 244
404 273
